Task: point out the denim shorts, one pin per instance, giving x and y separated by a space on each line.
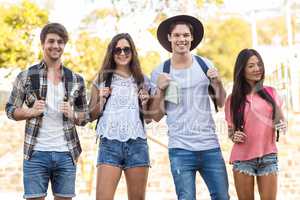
262 166
129 154
45 166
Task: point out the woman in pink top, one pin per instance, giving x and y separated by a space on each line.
252 112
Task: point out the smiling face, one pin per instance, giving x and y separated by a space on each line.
181 39
53 47
253 70
122 53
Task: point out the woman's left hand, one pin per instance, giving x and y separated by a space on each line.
281 126
144 96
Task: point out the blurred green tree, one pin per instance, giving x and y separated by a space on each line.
272 29
149 61
17 25
223 40
88 55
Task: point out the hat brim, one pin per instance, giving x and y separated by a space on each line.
163 30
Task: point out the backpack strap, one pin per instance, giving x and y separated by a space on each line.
167 66
200 61
211 90
34 77
68 81
141 113
106 84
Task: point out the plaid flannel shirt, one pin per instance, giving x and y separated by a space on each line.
22 92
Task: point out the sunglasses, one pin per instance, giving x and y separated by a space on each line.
126 50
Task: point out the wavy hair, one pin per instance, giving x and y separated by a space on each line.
109 65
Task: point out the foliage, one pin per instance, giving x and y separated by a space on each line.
223 41
149 62
17 25
88 56
271 28
200 3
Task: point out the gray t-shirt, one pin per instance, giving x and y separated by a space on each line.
190 122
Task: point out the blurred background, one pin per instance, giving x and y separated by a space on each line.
270 26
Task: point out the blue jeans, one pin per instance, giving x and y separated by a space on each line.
210 165
125 155
45 166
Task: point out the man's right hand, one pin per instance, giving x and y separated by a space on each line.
163 81
38 108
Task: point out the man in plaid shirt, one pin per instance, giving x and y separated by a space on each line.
55 99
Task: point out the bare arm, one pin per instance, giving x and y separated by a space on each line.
217 84
157 105
144 97
220 92
96 103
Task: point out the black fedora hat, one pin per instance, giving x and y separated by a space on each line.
163 30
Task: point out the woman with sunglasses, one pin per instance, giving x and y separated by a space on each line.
119 97
253 115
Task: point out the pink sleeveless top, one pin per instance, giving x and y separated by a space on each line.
258 126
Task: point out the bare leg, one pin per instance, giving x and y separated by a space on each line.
136 179
107 181
267 186
244 185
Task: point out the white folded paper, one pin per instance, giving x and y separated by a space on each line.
172 92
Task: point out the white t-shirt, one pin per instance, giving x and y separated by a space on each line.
51 135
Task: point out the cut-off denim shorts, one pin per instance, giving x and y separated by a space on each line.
129 154
45 166
262 166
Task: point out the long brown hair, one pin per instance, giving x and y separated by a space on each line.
109 65
241 88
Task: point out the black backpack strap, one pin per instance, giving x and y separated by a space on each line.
167 66
211 91
141 113
106 84
34 77
68 81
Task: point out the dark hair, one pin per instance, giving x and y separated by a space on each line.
56 28
172 26
241 88
109 65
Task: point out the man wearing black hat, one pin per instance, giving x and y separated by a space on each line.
193 143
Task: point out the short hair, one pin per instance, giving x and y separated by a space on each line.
172 26
56 28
